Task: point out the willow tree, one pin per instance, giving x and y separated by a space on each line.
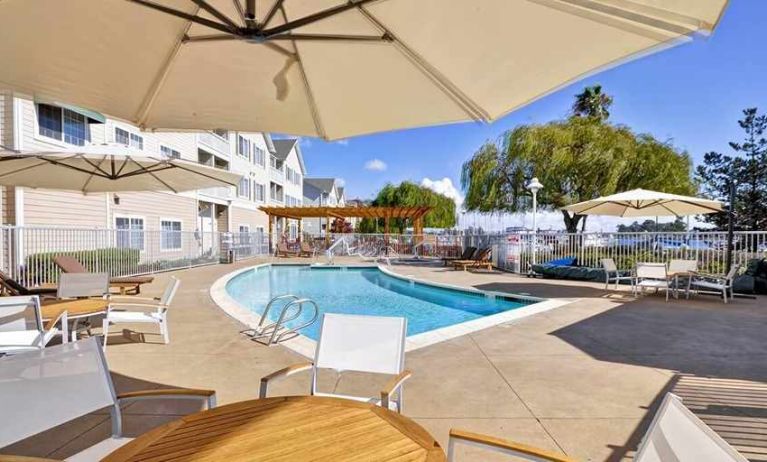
576 159
408 194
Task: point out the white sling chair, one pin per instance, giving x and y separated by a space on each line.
155 310
347 342
612 273
675 434
653 276
82 285
22 328
43 389
718 284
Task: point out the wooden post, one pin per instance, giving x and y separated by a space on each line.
269 231
327 231
300 229
418 232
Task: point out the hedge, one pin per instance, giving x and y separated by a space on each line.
41 268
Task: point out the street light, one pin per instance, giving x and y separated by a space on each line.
534 186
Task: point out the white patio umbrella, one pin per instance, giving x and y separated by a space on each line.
108 168
327 68
645 203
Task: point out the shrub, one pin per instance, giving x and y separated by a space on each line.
40 267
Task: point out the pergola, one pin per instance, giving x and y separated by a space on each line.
415 214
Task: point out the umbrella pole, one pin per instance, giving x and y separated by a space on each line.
730 226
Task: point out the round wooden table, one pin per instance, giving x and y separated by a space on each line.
287 428
51 309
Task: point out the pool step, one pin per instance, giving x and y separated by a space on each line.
278 331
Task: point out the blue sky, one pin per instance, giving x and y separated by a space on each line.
692 94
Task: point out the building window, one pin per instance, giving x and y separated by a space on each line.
243 190
129 139
130 232
170 237
243 146
259 156
169 152
259 193
63 125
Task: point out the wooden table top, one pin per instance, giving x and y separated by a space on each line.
51 309
288 428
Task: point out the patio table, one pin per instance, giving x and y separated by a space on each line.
286 428
675 275
76 309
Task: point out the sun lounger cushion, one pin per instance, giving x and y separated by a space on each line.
566 261
577 273
132 280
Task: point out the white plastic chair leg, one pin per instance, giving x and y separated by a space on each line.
105 331
164 329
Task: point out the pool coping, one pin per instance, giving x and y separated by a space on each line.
306 347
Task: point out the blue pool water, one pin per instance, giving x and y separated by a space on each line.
364 291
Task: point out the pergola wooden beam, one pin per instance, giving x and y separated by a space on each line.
297 213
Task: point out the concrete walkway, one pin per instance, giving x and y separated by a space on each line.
582 379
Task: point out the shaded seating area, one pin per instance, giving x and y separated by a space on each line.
467 254
69 264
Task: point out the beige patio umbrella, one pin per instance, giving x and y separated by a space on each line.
108 168
645 203
327 68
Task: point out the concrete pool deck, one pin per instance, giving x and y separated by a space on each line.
582 379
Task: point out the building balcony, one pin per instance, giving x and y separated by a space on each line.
214 144
276 174
220 192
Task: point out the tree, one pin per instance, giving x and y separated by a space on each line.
340 225
409 194
576 159
747 168
592 103
651 225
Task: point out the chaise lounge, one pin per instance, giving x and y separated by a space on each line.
70 264
284 251
481 260
467 254
12 287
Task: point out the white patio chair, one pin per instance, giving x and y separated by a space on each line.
653 276
347 342
718 283
151 310
675 434
41 390
82 285
22 328
684 267
612 269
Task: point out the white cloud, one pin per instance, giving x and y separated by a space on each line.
376 165
446 188
305 142
340 182
343 142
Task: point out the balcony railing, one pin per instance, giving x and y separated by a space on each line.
221 192
214 144
277 174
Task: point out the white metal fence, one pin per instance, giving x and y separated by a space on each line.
514 251
27 253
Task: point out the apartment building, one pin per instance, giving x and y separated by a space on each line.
273 172
321 192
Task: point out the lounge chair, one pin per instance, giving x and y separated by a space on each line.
612 273
22 328
284 251
347 342
41 390
116 313
70 264
13 287
718 283
467 254
481 260
653 276
675 434
307 250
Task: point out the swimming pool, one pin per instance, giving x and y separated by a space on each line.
367 291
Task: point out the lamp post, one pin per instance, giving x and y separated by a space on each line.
534 186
